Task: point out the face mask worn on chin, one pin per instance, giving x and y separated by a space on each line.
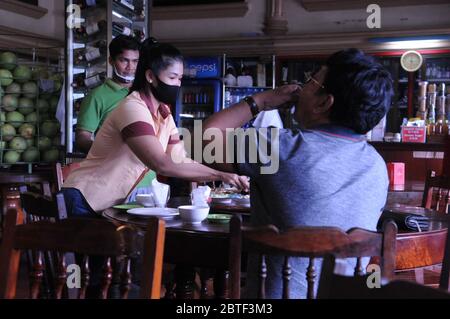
123 78
165 93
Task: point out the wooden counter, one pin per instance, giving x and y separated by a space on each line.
408 194
418 157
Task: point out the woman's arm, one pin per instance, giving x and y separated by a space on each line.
149 150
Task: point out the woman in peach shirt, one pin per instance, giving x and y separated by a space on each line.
140 134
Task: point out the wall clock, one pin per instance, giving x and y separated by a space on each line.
411 61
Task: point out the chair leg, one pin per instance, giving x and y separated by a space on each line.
204 277
221 284
311 278
184 278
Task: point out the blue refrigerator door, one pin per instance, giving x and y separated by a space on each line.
198 99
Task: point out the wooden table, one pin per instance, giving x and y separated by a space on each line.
205 245
416 250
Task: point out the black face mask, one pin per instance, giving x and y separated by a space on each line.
165 93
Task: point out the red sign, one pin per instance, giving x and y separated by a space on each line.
414 134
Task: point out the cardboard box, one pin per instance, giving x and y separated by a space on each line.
396 173
414 134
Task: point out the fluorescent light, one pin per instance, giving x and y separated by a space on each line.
417 44
187 115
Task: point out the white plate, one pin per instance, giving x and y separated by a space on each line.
154 211
221 200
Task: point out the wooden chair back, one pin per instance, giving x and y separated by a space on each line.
436 194
310 242
36 207
333 286
39 207
87 237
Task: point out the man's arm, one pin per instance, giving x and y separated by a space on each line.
239 114
83 140
88 121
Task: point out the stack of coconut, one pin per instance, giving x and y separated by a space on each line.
29 132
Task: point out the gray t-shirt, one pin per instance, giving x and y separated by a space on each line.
327 176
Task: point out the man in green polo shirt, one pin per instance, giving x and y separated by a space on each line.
124 57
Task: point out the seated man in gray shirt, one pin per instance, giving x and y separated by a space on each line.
323 174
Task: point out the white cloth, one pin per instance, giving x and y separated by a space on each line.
161 193
268 119
200 196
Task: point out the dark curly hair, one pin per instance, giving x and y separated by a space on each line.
361 87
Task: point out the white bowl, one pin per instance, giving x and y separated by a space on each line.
145 200
193 214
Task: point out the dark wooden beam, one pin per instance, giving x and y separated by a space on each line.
22 8
330 5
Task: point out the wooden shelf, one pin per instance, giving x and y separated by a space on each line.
400 146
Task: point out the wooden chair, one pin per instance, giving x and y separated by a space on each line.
444 278
424 265
86 237
309 242
436 194
36 207
333 286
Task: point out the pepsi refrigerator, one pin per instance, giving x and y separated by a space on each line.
201 90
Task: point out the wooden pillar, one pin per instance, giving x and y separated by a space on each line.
275 23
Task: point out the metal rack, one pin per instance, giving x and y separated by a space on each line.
32 98
130 17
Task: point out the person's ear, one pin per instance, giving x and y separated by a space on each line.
325 104
149 76
111 61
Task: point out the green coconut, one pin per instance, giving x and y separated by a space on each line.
11 157
10 102
6 77
22 74
30 90
15 118
14 89
18 144
8 60
31 155
8 131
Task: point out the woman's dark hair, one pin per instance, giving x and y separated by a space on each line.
154 56
361 87
122 43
